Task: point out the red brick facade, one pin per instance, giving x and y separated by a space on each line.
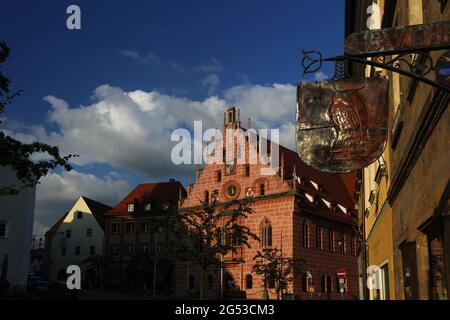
296 195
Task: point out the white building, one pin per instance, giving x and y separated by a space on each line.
16 227
76 236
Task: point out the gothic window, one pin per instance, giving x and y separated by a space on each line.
332 241
319 238
305 234
266 234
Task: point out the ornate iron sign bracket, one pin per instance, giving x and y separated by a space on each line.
404 50
342 122
413 64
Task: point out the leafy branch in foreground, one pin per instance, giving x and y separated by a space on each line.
214 230
18 155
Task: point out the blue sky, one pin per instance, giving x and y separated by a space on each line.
198 55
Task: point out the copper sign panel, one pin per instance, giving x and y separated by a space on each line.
342 124
399 38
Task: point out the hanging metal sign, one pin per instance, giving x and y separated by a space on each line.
399 39
341 124
442 69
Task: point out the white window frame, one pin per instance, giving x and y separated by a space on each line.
130 207
147 207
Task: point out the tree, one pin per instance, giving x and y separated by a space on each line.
206 234
275 268
16 154
97 263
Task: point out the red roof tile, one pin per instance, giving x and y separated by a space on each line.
154 193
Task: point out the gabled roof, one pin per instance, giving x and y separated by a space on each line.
154 193
98 209
56 226
339 187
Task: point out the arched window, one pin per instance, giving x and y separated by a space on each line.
266 234
305 282
331 241
191 282
305 233
249 281
319 240
354 246
206 197
329 284
308 281
210 281
323 283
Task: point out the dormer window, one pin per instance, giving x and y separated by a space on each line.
131 207
148 206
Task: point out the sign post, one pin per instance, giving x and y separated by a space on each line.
342 275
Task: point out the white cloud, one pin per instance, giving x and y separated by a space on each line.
213 65
57 193
211 82
151 58
132 130
130 54
176 66
319 76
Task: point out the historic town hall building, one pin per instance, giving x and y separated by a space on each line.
308 214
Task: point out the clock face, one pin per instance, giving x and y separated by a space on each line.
232 190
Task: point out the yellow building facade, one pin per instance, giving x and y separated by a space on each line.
403 197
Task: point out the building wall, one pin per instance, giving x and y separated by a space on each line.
423 188
78 237
393 222
281 206
18 212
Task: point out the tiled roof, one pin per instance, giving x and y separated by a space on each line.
98 209
56 226
339 187
154 193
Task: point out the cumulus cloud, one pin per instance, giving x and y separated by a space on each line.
132 130
57 193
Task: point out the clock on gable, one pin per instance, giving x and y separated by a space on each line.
232 190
